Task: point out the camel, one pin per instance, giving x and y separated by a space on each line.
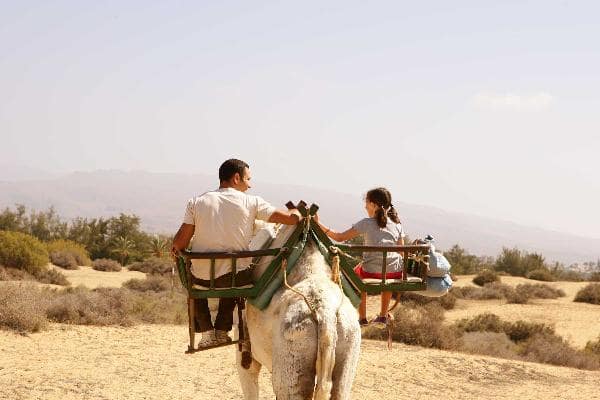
308 359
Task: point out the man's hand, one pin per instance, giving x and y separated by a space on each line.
290 217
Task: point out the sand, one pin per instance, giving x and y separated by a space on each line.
148 361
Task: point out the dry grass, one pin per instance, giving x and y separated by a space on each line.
447 302
22 308
539 291
551 349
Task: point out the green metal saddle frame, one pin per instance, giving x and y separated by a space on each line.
260 293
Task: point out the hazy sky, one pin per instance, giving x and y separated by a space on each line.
490 108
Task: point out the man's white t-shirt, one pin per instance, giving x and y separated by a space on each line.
223 221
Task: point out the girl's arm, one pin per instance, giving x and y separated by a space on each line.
337 236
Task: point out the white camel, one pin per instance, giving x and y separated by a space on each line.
308 359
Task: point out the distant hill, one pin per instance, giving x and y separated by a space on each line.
159 200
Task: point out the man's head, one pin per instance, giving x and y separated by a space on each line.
235 174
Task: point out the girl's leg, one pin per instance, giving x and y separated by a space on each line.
362 308
385 303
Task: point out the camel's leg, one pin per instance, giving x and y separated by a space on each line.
347 353
294 356
248 377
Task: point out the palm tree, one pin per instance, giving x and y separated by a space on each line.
158 245
123 247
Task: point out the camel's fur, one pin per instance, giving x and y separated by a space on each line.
307 358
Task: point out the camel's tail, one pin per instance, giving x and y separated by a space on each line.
327 339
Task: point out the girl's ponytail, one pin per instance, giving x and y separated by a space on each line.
381 217
393 215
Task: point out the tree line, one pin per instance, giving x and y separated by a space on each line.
120 237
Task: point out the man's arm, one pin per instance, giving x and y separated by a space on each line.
291 217
182 238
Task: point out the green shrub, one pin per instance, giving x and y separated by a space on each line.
151 283
106 264
22 308
64 260
541 274
22 251
486 276
589 294
153 266
76 250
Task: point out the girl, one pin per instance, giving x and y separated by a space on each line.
381 228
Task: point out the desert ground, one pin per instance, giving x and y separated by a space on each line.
148 361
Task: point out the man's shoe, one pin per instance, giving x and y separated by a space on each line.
363 322
222 337
207 339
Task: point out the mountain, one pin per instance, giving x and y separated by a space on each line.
160 198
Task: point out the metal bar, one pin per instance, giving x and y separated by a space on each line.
384 268
409 248
405 265
233 271
190 255
212 273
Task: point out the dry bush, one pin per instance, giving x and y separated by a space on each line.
22 251
481 323
76 250
22 308
551 349
64 260
515 297
106 264
489 291
14 274
486 276
42 275
158 308
593 346
541 274
153 266
117 306
523 330
495 344
150 284
102 306
418 325
539 291
447 301
52 276
589 294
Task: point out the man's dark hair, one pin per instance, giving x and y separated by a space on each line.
230 167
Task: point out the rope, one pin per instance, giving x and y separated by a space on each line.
336 275
299 293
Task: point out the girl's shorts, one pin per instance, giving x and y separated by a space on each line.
362 274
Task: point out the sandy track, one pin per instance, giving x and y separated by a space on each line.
147 362
89 277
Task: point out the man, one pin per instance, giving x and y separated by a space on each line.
223 220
